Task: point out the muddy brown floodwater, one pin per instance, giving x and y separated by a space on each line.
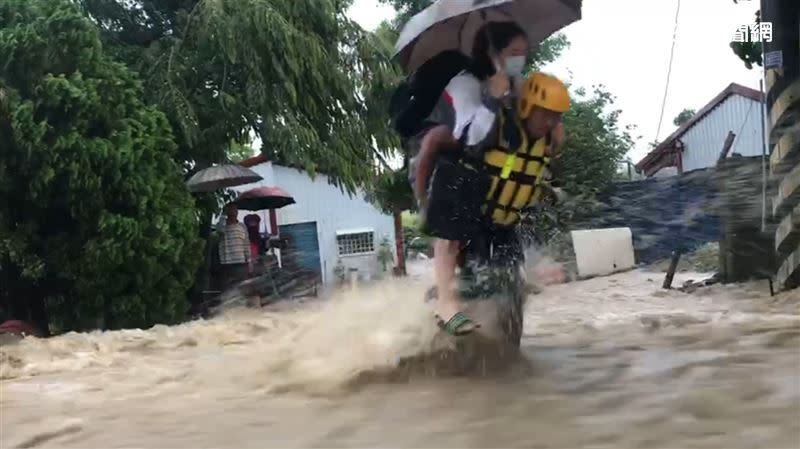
611 362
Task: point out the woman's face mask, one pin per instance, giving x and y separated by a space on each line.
515 65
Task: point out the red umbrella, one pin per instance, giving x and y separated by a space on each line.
264 198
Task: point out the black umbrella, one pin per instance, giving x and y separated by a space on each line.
221 177
453 24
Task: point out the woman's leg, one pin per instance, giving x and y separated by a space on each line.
445 255
448 306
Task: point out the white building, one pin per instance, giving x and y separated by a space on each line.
697 143
325 224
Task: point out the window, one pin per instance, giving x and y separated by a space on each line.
360 241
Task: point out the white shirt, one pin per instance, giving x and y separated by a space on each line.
465 90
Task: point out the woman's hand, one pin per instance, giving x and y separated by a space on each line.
437 139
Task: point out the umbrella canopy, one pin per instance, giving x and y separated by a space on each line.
264 198
220 177
453 24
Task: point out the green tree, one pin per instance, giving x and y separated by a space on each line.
392 194
295 72
298 74
595 143
683 117
237 152
96 224
749 52
405 9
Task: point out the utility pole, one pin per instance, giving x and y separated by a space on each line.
782 90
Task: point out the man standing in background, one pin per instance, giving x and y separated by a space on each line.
234 249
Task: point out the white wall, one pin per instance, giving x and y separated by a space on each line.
332 209
704 140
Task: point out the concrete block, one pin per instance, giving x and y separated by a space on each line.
600 252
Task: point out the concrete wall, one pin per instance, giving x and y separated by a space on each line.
599 252
333 210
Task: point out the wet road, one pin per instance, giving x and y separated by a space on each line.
609 363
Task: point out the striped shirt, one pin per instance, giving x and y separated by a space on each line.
234 246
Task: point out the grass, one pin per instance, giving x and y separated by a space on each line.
704 259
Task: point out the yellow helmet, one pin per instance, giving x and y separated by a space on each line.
545 91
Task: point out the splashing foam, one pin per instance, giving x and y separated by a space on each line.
317 348
369 328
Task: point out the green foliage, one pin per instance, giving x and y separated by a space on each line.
237 152
391 192
406 9
749 52
96 220
595 144
410 220
416 241
683 117
547 52
297 72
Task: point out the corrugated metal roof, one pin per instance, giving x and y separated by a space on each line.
655 158
703 141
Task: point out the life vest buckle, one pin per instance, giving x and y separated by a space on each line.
508 166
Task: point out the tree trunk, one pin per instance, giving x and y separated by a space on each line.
38 312
108 314
400 269
40 319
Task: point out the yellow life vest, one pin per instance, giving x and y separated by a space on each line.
516 176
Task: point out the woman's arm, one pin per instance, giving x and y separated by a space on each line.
475 110
436 139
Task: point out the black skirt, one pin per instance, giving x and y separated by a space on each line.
455 198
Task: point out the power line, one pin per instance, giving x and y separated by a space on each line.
744 121
669 69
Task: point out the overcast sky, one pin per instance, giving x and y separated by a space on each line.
625 45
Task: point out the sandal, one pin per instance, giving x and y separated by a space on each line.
459 325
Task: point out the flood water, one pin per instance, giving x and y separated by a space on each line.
611 362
